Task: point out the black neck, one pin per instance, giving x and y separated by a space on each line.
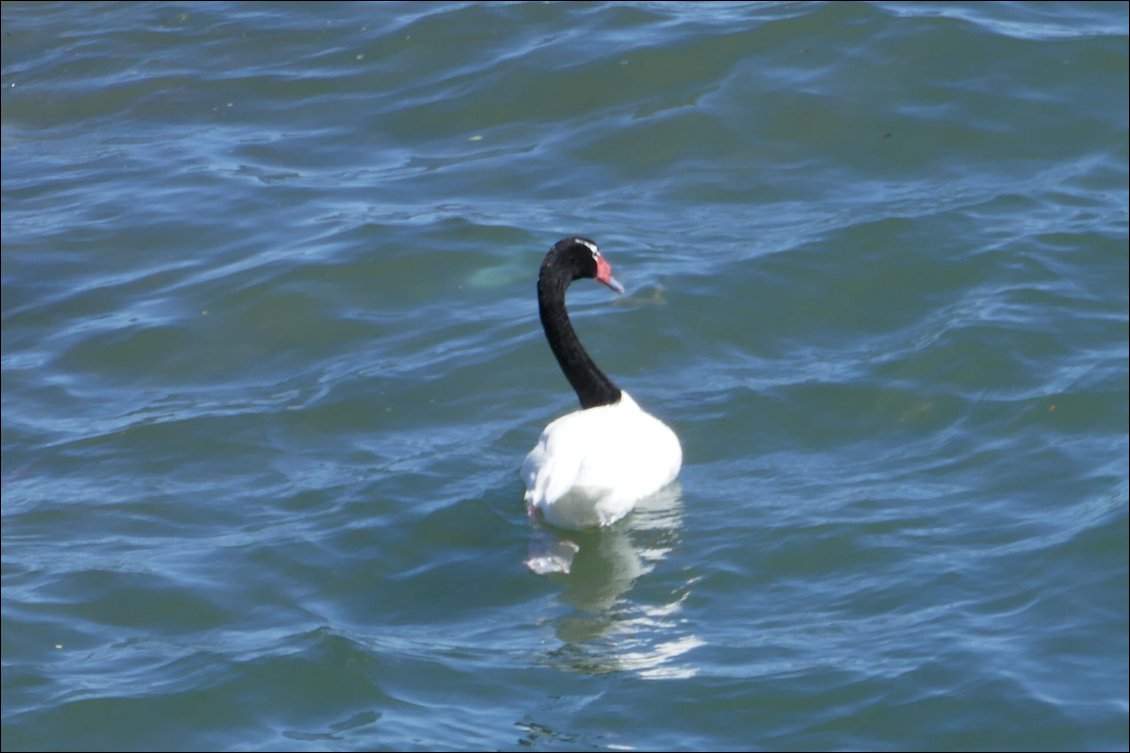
593 387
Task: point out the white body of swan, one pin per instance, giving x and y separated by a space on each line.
590 467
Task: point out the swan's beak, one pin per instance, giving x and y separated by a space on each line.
604 275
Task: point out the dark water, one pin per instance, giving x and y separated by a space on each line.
271 361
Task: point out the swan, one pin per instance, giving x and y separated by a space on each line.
590 467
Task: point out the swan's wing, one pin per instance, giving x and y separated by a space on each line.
630 453
551 468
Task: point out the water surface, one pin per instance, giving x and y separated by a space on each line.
271 360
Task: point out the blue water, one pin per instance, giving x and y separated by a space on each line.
271 361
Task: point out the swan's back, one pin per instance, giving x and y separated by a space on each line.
590 467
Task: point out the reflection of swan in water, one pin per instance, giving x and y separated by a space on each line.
610 555
607 631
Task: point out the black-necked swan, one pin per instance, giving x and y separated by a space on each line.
590 467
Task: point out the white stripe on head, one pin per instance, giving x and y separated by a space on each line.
591 246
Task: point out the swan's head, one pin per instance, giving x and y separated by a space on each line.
583 259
